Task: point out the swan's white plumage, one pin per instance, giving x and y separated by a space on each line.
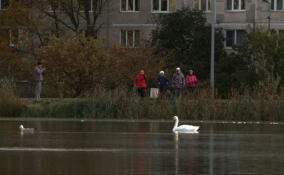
184 128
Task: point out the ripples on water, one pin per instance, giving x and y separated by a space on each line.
103 147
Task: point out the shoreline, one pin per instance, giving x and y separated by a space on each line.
137 120
107 106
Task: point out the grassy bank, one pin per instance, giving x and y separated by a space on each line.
127 105
10 105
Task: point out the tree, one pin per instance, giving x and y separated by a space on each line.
186 35
79 65
15 21
73 15
56 17
262 55
19 17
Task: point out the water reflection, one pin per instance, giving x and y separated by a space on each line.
211 153
176 155
75 147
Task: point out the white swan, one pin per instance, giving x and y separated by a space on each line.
26 130
184 128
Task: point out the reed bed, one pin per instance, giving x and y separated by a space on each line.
121 104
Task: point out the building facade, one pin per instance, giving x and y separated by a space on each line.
129 22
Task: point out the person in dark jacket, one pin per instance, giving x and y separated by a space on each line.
140 83
163 83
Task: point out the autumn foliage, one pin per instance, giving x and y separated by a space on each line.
80 65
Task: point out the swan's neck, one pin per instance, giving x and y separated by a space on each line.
176 124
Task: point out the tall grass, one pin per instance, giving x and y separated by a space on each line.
120 104
10 105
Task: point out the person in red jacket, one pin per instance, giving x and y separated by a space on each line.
190 81
140 83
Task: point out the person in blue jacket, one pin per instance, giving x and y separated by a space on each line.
163 83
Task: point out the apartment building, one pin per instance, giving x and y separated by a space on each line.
129 22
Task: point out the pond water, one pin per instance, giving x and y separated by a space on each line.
121 147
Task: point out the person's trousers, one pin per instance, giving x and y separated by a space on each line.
141 92
190 90
177 92
163 91
37 90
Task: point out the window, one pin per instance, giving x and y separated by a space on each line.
10 35
236 5
52 5
160 6
204 5
277 5
234 37
13 37
129 5
4 4
129 38
60 5
5 34
85 5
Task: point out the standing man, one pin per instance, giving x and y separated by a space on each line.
38 78
178 82
140 83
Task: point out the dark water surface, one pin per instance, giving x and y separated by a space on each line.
111 147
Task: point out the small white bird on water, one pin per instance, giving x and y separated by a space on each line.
184 128
26 130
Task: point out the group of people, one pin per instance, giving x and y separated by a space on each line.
179 82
